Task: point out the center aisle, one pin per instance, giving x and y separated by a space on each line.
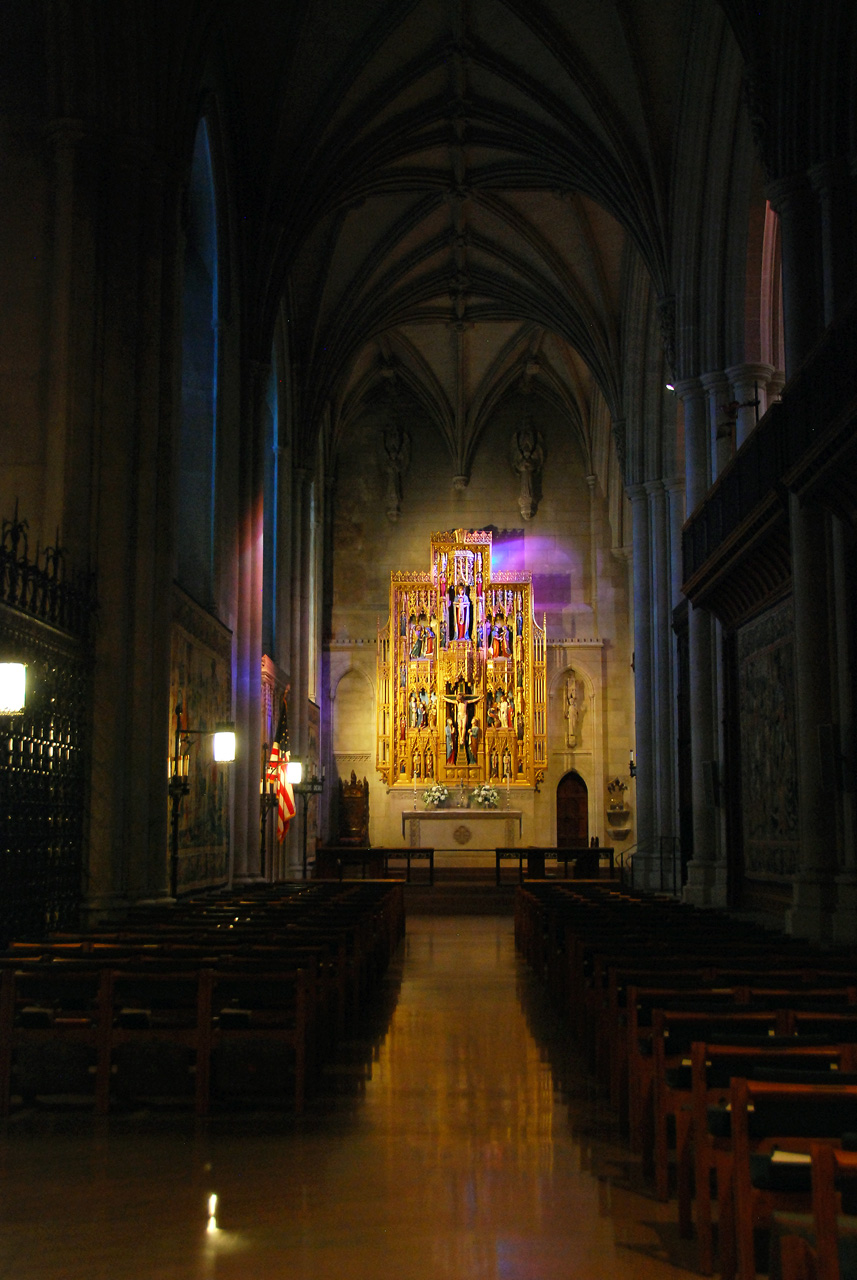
453 1139
471 1159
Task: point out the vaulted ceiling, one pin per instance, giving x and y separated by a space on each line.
463 194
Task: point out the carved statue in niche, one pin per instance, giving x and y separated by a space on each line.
572 711
528 456
397 456
462 613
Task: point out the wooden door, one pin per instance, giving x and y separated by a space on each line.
572 812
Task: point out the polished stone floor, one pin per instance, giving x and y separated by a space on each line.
456 1139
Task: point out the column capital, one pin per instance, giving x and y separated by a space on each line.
749 372
776 382
782 191
714 380
654 487
637 492
688 387
675 484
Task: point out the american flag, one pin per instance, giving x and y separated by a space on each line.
276 773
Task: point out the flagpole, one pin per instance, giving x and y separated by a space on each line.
267 801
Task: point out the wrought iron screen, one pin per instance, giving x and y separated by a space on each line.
44 622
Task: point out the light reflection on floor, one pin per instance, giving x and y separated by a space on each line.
456 1138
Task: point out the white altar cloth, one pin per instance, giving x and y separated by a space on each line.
461 830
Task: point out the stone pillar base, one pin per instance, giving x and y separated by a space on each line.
106 907
811 914
706 884
845 915
650 875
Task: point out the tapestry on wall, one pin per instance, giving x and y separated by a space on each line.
769 782
201 681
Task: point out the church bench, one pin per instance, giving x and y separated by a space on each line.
687 1015
713 1066
675 1057
157 1024
652 1022
53 1032
825 1247
177 1034
770 1123
260 1025
727 986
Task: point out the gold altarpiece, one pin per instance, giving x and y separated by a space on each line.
461 672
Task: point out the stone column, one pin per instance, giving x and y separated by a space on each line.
662 672
248 692
803 316
749 382
675 490
122 388
845 920
722 442
66 136
645 864
301 548
591 483
803 310
833 186
706 880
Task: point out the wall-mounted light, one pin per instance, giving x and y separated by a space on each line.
294 772
13 688
224 743
670 386
632 766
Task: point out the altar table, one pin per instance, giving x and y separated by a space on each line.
462 830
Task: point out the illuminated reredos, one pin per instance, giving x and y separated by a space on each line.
461 672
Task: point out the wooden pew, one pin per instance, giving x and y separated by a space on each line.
821 1245
713 1067
50 1011
778 1120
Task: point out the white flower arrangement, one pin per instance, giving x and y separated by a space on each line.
435 795
486 796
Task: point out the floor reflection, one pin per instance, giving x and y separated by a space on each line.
457 1135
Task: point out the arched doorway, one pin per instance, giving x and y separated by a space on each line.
572 812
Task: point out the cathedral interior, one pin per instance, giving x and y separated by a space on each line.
475 379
